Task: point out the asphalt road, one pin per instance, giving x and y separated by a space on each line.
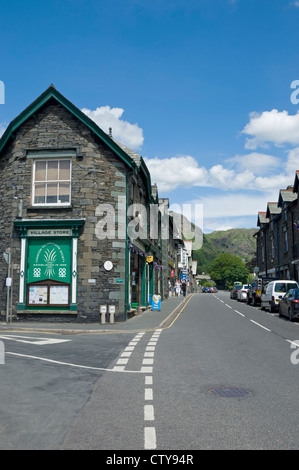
220 375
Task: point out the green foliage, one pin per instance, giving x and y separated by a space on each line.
239 242
227 268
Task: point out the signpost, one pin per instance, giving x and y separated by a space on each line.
7 257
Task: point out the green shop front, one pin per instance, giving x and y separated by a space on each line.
48 266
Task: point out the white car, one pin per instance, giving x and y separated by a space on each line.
242 293
275 291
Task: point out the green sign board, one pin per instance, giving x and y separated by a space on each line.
49 260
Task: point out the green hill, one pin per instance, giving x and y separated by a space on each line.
238 242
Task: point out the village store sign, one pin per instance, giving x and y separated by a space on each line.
48 268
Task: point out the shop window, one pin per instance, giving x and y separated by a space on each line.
48 294
51 182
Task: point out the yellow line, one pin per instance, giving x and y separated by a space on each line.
185 304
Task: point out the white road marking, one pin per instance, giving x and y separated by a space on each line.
228 306
148 362
149 413
148 370
260 325
295 343
34 340
150 438
239 313
122 361
126 354
148 394
79 366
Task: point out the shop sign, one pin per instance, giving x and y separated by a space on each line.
49 260
62 232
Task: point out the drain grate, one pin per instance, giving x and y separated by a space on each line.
230 392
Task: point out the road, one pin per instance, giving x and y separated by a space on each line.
220 375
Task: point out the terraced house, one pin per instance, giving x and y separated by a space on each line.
69 195
278 235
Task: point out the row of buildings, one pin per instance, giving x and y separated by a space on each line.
278 236
82 226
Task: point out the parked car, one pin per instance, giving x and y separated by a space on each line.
214 289
242 293
254 293
275 291
235 290
207 289
289 305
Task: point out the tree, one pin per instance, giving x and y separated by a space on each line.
227 269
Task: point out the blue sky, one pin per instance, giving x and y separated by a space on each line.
200 88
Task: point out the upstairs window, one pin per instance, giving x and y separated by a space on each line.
51 182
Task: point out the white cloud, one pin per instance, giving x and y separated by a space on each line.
254 172
292 164
272 127
123 131
233 204
261 162
183 171
170 173
232 210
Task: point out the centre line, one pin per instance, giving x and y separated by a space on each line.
260 325
239 313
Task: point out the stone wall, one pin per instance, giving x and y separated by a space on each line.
98 177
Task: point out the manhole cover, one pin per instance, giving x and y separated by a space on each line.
231 392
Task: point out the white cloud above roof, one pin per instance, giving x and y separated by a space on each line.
106 117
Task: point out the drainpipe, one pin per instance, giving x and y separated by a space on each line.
277 248
127 277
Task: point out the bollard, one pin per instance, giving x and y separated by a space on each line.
111 312
103 310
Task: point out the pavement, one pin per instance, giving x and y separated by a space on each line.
147 320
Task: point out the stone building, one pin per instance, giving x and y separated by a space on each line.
71 198
278 236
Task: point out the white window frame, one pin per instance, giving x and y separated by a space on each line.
48 204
